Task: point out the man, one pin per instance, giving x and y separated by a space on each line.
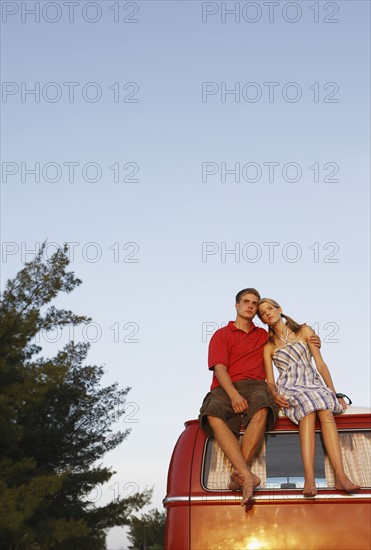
239 393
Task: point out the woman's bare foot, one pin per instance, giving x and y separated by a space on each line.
310 489
310 492
344 484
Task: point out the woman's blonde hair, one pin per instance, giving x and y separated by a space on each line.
292 325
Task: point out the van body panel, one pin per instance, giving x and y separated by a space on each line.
199 518
178 486
282 524
181 462
177 526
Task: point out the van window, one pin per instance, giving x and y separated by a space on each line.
283 465
279 463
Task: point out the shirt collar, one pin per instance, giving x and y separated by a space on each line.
232 327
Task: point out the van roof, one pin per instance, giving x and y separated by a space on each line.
351 410
357 410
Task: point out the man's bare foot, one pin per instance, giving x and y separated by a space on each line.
236 481
344 484
249 483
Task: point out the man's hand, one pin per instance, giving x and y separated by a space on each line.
239 403
315 340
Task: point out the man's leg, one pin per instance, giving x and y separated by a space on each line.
231 448
250 444
253 435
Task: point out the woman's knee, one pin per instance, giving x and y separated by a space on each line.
326 417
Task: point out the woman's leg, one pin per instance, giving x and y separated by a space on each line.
308 448
332 444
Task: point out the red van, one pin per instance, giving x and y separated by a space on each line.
202 513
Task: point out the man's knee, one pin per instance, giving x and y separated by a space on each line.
261 415
214 421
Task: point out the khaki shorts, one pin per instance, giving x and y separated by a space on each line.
217 403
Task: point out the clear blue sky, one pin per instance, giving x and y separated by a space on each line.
188 153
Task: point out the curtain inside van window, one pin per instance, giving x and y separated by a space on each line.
356 452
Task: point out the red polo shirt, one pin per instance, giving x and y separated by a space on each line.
240 352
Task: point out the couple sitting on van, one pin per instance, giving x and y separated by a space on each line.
243 391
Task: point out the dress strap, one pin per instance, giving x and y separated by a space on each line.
285 340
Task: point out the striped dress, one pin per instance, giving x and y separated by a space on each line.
301 384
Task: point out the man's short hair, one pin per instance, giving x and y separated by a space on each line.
247 291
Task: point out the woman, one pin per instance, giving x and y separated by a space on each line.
300 391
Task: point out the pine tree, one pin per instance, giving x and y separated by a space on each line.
148 531
55 422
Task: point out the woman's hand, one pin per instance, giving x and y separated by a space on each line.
281 401
342 402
